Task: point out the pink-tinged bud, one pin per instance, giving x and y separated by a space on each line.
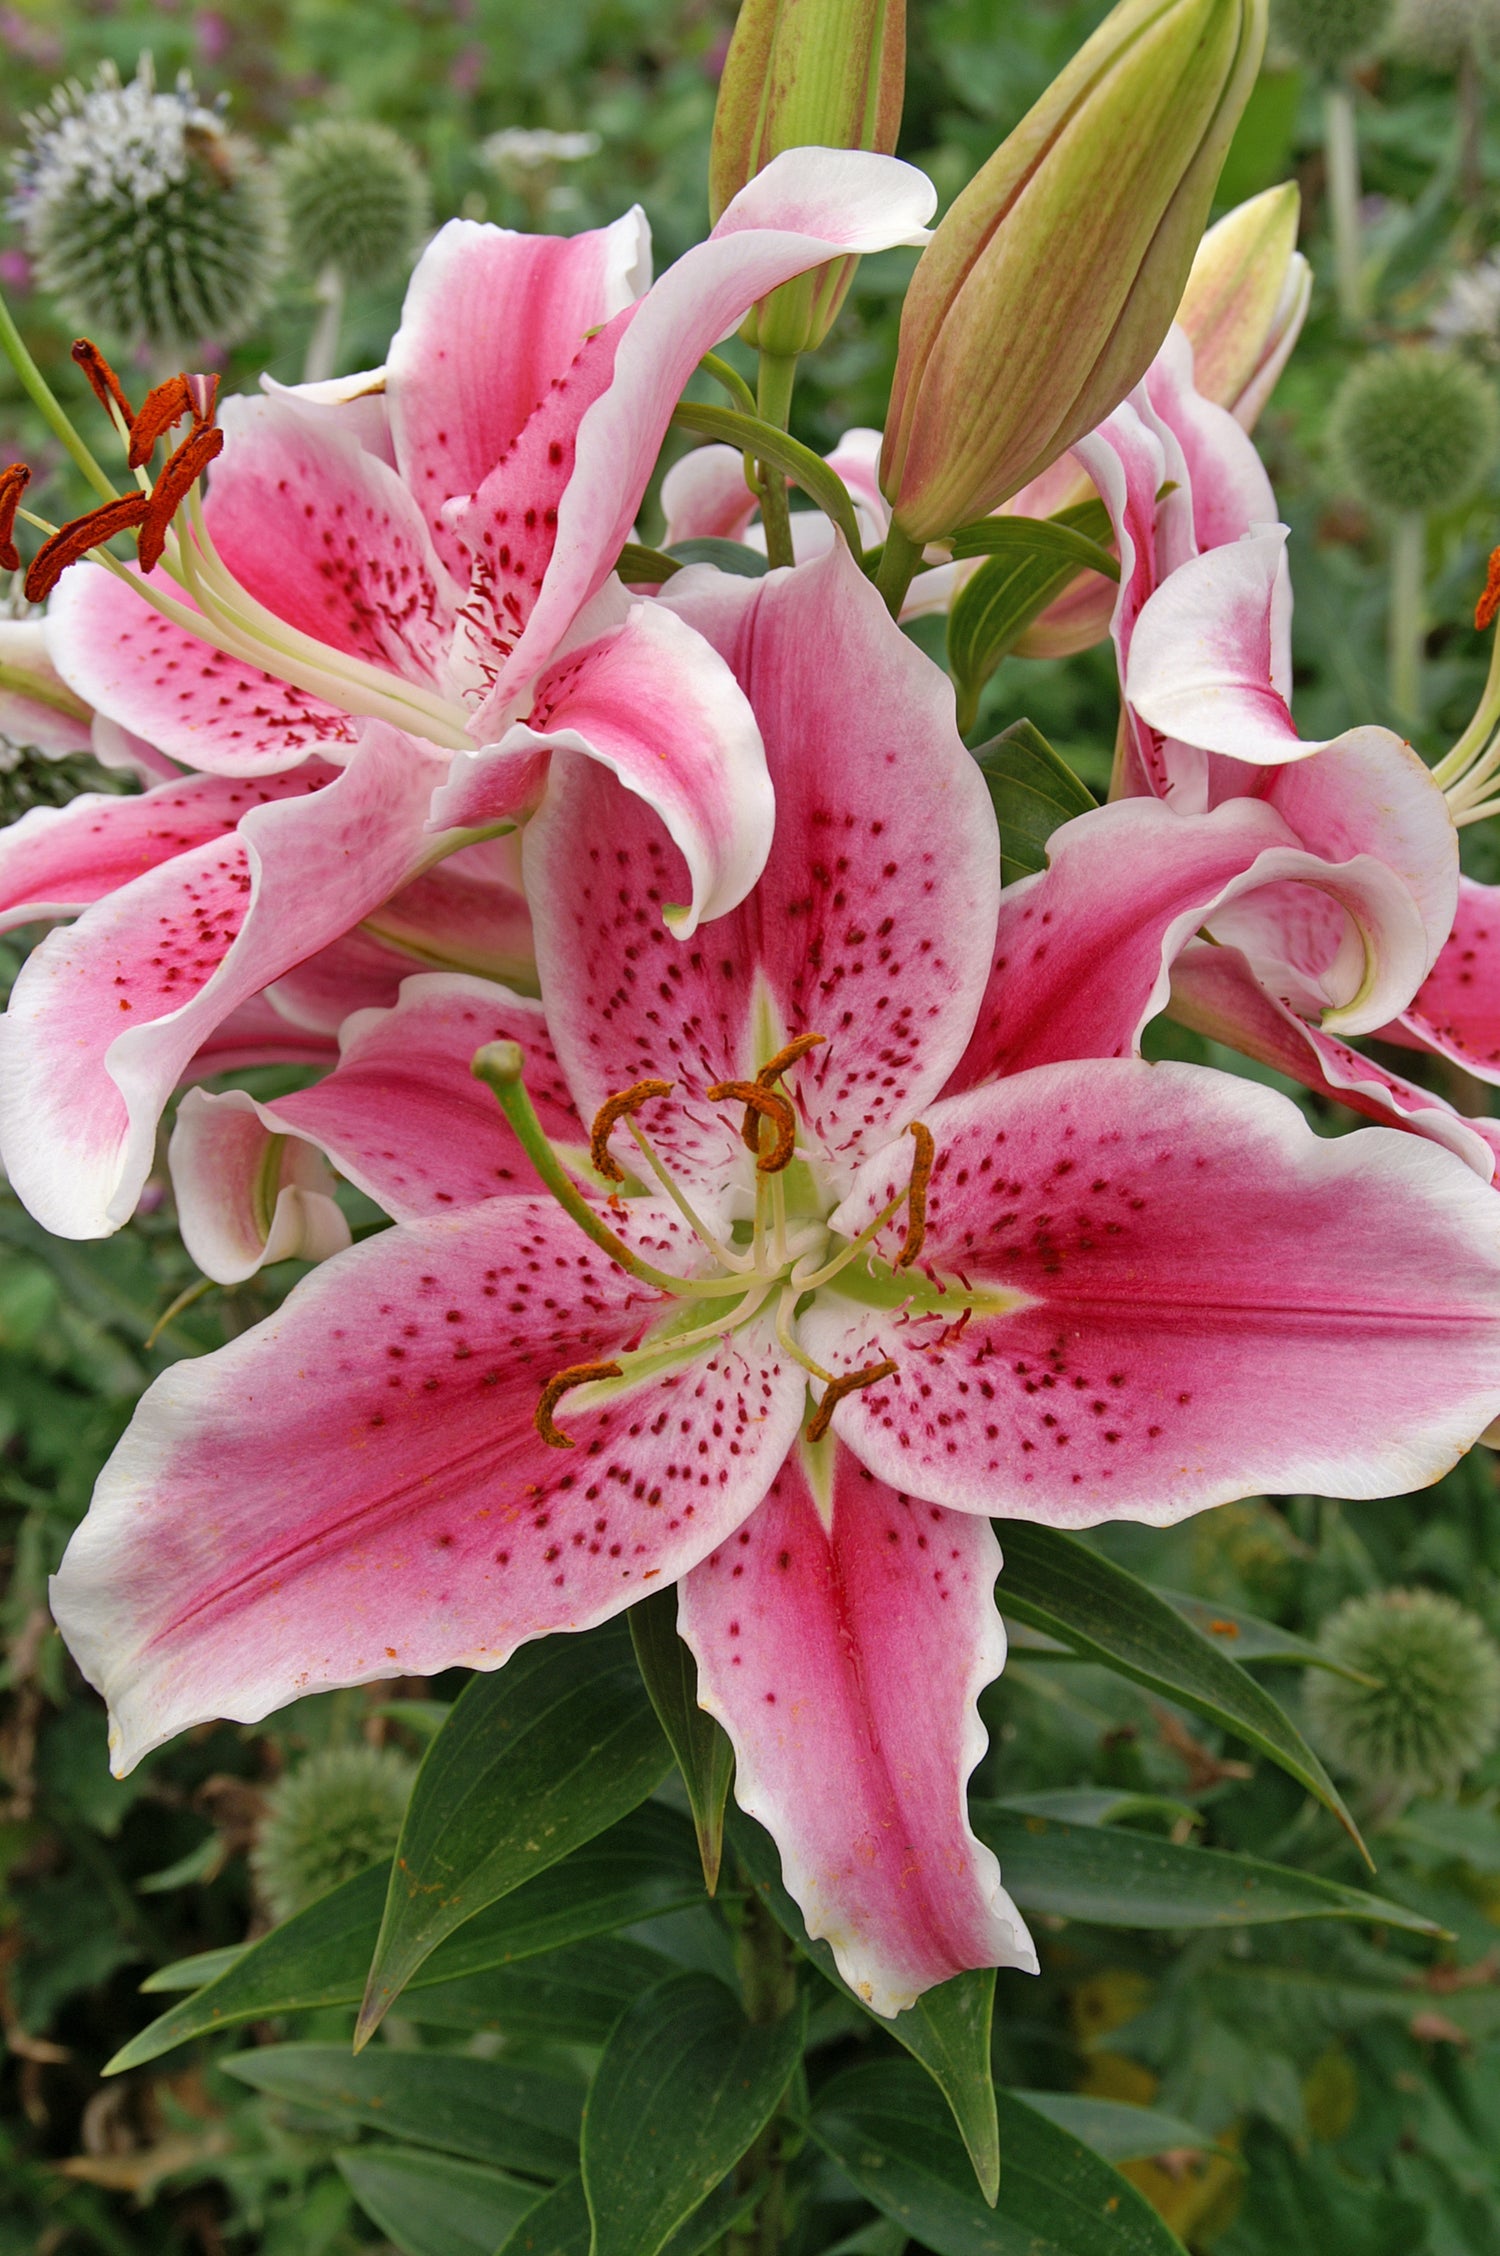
1044 294
805 73
1246 300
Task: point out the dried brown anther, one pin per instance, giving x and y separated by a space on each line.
13 483
103 381
576 1375
1489 603
180 472
72 541
614 1109
771 1072
761 1104
916 1197
836 1389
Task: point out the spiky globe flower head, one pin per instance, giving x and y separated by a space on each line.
1434 1711
1329 34
355 198
1414 431
146 219
1439 33
337 1812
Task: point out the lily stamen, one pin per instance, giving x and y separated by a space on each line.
739 1263
616 1108
13 483
916 1196
849 1383
576 1375
761 1104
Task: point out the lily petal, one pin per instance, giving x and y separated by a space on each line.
869 926
107 1014
1209 661
588 451
56 860
1210 1302
844 1652
36 705
356 1488
491 320
1456 1012
210 711
656 705
245 1197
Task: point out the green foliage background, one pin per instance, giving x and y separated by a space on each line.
1344 2082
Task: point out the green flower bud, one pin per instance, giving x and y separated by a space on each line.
1245 300
356 199
338 1812
146 219
805 73
1435 1710
1049 286
1327 35
1414 431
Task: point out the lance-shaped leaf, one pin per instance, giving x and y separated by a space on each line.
644 1865
773 448
432 2205
701 1746
1061 1586
572 1996
1033 791
1114 1878
534 1761
885 2129
1249 1638
1029 563
1078 532
685 2087
560 2224
1119 2132
947 2030
484 2110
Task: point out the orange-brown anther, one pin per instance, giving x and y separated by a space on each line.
13 483
72 541
761 1104
916 1197
576 1375
1489 603
181 471
103 381
771 1072
618 1108
836 1389
163 406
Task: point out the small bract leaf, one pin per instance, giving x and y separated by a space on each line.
432 2205
1033 791
701 1746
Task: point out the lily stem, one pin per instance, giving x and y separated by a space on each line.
1341 154
768 1979
1404 626
773 398
898 565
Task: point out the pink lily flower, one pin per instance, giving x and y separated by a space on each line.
411 568
848 1319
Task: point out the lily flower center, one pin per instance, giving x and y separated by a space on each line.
785 1256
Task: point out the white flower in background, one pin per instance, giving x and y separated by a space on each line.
1471 308
110 140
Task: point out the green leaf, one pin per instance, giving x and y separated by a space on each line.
1059 1585
1078 532
885 2129
686 2084
1102 1805
484 2110
1249 1638
192 1973
427 2205
645 1865
1119 2132
704 1754
1029 563
639 566
573 1996
728 555
1113 1878
534 1761
560 2224
947 2030
1033 791
767 444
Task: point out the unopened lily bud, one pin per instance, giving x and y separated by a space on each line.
1044 294
799 74
1245 301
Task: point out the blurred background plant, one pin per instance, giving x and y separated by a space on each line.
1350 2082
